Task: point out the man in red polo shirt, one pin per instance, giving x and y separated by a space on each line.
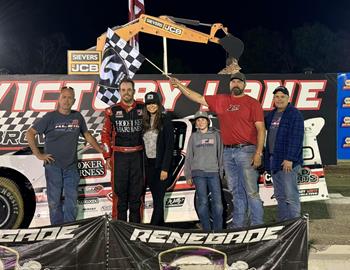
242 128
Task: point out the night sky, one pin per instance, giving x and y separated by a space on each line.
83 21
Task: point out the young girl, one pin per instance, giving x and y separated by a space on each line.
158 137
203 165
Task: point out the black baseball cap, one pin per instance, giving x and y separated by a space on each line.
238 75
282 89
152 98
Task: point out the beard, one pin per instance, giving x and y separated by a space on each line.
237 91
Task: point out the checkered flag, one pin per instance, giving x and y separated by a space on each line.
119 60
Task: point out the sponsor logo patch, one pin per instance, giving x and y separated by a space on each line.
175 202
346 102
83 62
89 168
306 177
346 142
346 121
308 192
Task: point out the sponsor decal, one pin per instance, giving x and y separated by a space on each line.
88 190
346 142
83 62
202 238
346 85
89 209
109 196
167 27
346 121
148 205
174 202
346 102
118 114
154 23
308 192
266 179
41 197
127 126
106 208
37 234
305 176
88 201
91 168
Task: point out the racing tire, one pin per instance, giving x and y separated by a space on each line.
11 204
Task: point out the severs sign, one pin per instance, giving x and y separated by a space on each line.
23 99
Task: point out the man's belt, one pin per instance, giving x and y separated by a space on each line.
127 149
240 145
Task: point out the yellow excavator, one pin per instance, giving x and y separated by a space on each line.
174 28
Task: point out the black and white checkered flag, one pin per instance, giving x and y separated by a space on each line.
119 60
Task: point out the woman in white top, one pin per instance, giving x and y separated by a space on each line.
158 137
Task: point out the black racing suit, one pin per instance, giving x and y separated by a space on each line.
122 140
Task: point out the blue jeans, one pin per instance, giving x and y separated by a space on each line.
242 181
287 193
203 184
62 182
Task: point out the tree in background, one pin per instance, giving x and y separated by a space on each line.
46 56
312 46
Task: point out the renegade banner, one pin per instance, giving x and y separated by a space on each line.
275 246
78 245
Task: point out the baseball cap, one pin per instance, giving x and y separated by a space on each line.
282 89
152 98
200 114
239 76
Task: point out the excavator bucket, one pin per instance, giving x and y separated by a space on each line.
234 46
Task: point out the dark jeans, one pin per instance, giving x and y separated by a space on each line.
62 182
158 189
203 184
128 185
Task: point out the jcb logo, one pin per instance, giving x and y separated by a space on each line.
89 68
83 62
172 29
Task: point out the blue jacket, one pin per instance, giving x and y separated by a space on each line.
289 139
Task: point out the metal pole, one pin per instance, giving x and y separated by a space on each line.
165 56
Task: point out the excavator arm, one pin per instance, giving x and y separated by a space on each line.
169 27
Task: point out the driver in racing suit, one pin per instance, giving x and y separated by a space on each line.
123 151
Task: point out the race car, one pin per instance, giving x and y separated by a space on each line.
23 197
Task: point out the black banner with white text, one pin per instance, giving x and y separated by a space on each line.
101 244
78 245
274 246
